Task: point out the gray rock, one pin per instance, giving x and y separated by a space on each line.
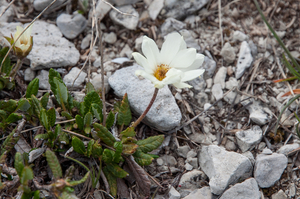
173 193
266 151
188 167
191 154
279 195
245 190
110 38
248 139
244 61
78 96
203 193
168 160
40 5
44 80
29 74
8 15
71 25
129 22
239 36
202 98
210 66
180 9
250 156
232 82
285 149
228 53
164 113
217 91
123 2
269 168
70 77
189 39
86 40
97 83
155 8
101 10
126 51
189 177
193 162
221 76
253 48
258 113
183 150
223 168
232 97
171 25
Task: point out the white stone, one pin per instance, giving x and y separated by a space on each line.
247 189
40 5
183 150
126 51
191 154
222 167
101 10
188 167
110 38
279 195
70 77
244 61
217 91
164 113
123 2
269 168
203 193
221 76
189 39
248 139
29 74
97 83
86 41
191 176
8 15
239 36
44 80
228 53
78 96
210 66
232 82
71 25
266 151
171 25
285 149
258 113
173 193
129 22
155 8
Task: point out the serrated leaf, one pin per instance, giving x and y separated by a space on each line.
141 158
89 87
112 181
79 122
6 67
97 150
33 88
41 137
104 134
54 164
110 120
88 119
67 115
97 110
37 106
89 99
124 114
51 117
9 106
44 100
129 148
117 156
129 132
14 117
81 108
74 183
19 164
70 101
9 142
61 92
116 170
89 148
78 145
26 175
108 155
64 138
150 143
52 74
44 118
23 104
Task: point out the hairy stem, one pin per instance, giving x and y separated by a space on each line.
147 109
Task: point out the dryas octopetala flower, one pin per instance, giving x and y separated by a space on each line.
174 64
24 44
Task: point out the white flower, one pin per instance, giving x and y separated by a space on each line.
174 64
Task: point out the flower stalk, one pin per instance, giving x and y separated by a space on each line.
147 109
16 68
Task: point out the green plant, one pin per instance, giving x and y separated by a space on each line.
5 80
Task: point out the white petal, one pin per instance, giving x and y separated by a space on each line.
23 47
141 60
159 84
197 63
151 51
183 44
18 32
184 58
172 76
189 75
182 85
146 75
170 47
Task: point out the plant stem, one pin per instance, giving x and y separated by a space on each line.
147 109
16 68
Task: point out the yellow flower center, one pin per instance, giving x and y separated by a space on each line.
161 71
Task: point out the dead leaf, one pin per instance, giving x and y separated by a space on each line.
122 189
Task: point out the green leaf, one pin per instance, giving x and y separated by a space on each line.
7 67
78 145
52 74
9 106
70 101
26 175
116 170
108 155
129 132
67 115
37 106
117 156
13 118
97 110
33 88
53 164
81 109
23 104
110 120
104 134
74 183
79 122
97 150
10 142
44 100
89 148
41 137
89 99
3 115
51 117
61 92
64 138
36 194
124 114
151 143
89 87
129 148
112 181
141 158
19 164
44 119
88 119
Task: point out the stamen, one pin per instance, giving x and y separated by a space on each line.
161 71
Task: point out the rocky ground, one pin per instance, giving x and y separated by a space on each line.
220 140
